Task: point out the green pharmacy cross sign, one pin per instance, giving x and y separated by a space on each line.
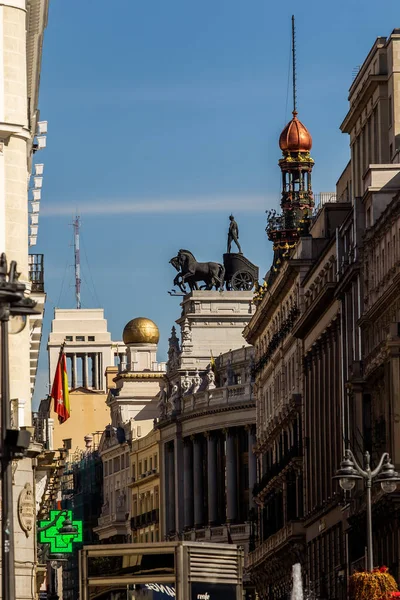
50 533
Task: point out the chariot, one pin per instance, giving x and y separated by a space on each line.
240 273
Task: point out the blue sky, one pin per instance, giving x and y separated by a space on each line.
164 118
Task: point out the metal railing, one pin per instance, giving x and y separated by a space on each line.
36 272
323 198
149 518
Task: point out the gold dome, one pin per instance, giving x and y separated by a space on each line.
295 137
141 331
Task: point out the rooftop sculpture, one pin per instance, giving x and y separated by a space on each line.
237 272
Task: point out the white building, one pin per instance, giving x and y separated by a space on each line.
22 24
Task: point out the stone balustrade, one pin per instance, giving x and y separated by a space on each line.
219 397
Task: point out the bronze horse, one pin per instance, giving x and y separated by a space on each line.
191 272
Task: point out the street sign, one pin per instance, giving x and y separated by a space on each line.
60 543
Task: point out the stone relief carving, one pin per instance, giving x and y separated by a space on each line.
186 334
26 509
186 384
196 382
209 379
162 400
173 351
172 400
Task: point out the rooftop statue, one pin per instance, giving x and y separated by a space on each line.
233 235
192 272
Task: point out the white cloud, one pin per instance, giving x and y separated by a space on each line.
115 206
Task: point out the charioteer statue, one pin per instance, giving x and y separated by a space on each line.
237 272
233 235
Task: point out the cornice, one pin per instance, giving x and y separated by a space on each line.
272 299
140 376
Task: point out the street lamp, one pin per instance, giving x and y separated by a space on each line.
350 472
14 442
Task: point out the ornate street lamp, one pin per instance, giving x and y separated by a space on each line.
14 442
350 472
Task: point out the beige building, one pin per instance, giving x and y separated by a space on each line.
144 484
90 355
133 407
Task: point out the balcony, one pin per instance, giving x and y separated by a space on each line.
291 532
144 520
36 273
294 454
240 534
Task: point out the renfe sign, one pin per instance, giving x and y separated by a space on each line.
213 591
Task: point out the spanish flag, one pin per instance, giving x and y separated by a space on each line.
59 391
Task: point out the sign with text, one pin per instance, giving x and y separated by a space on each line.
213 591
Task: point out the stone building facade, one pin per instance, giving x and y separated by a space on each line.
133 407
207 422
338 282
145 489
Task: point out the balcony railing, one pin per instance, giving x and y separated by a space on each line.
276 468
36 272
149 518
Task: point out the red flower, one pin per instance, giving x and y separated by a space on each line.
383 569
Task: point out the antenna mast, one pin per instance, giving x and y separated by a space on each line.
294 65
76 225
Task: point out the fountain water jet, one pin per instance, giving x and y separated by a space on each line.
297 589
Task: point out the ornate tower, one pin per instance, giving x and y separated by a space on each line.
297 198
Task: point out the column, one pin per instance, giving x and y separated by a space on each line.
188 483
170 491
252 464
85 368
198 483
231 476
96 371
49 433
73 383
212 478
101 375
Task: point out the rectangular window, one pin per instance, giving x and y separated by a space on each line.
91 338
67 443
390 151
106 469
110 469
117 465
145 465
390 112
68 338
150 463
155 461
123 461
134 471
79 338
140 468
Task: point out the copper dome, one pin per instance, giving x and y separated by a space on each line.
295 137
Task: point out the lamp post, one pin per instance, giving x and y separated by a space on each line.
14 442
350 472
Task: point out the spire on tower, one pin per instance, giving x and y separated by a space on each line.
76 225
294 65
297 197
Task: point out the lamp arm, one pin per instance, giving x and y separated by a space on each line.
357 467
375 472
63 513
